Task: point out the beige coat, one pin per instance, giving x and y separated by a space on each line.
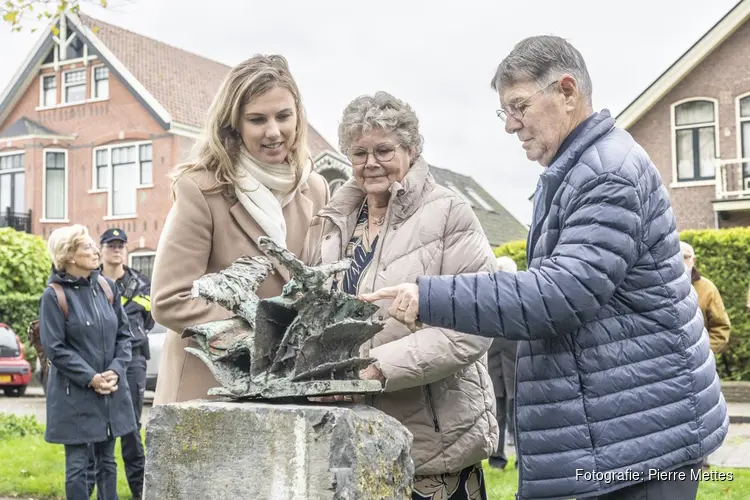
437 383
205 233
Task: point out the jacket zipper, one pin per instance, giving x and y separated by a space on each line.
101 326
433 413
67 387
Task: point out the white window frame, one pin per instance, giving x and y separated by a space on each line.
460 193
22 170
109 148
42 76
64 87
93 98
480 201
676 183
739 121
66 182
140 253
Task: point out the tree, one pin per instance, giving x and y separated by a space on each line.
14 12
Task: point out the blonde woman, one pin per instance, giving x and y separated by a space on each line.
86 337
252 177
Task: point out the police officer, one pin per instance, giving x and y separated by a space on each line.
135 289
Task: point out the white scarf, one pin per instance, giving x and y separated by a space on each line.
264 190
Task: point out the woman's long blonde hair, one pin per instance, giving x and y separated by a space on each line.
219 146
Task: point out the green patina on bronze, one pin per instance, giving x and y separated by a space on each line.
304 342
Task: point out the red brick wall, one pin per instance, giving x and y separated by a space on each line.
121 118
723 75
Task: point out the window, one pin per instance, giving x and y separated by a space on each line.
695 140
453 188
74 49
143 262
482 203
120 170
102 167
146 173
12 184
122 193
335 184
744 119
74 86
49 91
101 83
55 185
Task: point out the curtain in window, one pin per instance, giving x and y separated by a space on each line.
694 112
124 181
55 186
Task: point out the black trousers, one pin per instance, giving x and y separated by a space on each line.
133 455
505 419
657 489
80 476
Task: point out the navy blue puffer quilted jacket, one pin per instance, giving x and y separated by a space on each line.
614 369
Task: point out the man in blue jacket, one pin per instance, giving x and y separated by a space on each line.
617 393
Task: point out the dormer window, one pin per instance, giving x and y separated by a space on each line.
74 86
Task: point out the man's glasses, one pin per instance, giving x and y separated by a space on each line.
381 152
518 109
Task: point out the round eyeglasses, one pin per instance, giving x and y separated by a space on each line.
381 152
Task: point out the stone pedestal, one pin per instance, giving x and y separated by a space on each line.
226 450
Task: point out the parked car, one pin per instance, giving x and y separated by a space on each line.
15 371
155 342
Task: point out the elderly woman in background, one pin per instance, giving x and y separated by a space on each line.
86 337
396 223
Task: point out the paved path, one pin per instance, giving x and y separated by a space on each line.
735 452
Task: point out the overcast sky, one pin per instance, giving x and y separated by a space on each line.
438 59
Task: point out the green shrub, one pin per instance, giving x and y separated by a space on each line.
17 310
14 426
24 262
724 258
516 250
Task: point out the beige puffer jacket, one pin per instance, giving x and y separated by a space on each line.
437 383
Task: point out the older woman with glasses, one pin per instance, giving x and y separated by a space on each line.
396 223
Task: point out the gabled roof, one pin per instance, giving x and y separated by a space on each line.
722 30
499 225
23 127
175 85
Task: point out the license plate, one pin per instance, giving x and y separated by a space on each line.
5 379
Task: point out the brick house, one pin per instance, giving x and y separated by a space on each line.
96 117
694 122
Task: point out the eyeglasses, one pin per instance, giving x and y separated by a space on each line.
381 152
518 109
115 245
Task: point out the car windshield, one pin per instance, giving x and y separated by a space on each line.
8 344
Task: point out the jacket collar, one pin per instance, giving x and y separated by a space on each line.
594 128
406 196
63 278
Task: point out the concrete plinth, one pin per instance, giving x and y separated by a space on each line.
226 450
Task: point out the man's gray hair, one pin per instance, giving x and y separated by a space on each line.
380 111
542 59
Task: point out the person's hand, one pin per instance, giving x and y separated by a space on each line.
112 379
101 386
372 372
405 306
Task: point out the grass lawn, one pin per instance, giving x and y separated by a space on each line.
32 468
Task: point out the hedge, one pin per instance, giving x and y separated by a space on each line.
17 310
723 256
24 262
